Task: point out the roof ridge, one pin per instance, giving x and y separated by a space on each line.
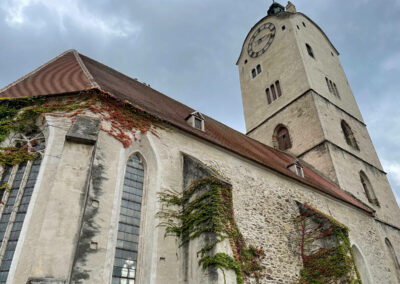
87 73
36 70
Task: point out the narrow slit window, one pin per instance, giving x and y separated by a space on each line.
253 73
268 96
126 251
258 69
273 92
278 88
310 50
329 86
336 90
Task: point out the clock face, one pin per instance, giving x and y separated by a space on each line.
261 40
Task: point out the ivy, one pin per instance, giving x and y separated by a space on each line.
13 156
20 114
325 249
206 207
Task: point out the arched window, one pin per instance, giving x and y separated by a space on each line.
268 96
369 191
282 138
309 50
348 135
273 92
18 197
361 266
126 252
393 257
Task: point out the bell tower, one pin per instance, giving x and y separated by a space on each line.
296 98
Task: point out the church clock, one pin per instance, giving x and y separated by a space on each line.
261 40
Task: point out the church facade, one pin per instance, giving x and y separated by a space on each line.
106 180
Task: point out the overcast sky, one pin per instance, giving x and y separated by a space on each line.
188 50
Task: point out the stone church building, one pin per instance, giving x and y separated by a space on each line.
106 180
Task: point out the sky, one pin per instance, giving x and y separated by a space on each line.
188 50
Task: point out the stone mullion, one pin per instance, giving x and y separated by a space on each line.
15 208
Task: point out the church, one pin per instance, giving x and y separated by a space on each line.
106 180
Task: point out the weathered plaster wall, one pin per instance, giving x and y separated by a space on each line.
264 204
323 65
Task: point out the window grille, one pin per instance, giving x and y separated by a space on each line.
126 252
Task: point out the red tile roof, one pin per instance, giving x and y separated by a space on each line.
73 72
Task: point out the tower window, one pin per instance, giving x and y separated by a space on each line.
349 136
298 27
304 25
258 69
273 92
282 138
278 88
369 191
268 96
332 87
328 84
310 51
253 73
283 28
245 62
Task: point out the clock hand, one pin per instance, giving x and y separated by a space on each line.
261 39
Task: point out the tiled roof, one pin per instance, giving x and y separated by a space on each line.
73 72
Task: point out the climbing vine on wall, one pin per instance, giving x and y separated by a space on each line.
324 248
120 119
206 207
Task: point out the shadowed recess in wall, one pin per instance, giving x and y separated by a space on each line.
205 210
324 248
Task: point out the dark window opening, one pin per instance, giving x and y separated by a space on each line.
369 191
328 84
278 88
349 136
336 90
273 92
258 68
283 138
332 53
253 73
304 25
283 28
309 50
197 123
268 96
245 62
298 27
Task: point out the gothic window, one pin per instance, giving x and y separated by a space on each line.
278 88
349 136
393 257
282 138
267 91
369 191
18 197
361 265
126 252
309 50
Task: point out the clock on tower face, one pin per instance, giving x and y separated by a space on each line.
261 40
